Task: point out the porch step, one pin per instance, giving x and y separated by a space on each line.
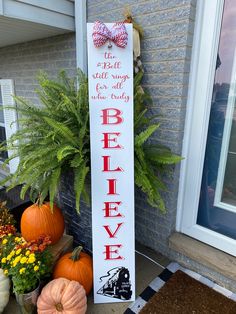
204 254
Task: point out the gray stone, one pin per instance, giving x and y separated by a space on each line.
193 254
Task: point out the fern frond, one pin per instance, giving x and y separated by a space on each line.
141 180
62 130
79 180
161 155
54 183
65 151
142 137
76 161
86 195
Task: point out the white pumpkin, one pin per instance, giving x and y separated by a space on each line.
4 290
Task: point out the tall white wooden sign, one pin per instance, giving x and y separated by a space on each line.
110 73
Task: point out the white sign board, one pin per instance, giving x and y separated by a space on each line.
110 74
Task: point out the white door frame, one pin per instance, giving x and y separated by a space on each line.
202 72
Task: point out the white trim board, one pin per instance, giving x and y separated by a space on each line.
59 15
81 34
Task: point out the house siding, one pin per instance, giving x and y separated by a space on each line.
23 62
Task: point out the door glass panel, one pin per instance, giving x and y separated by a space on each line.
217 204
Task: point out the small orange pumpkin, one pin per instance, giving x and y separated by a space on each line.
77 266
41 220
62 296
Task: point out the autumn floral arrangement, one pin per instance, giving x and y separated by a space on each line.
7 221
26 263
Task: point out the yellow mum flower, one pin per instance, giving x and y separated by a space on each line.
31 255
4 241
18 251
9 257
31 260
5 272
22 270
17 239
36 268
14 262
4 260
23 260
27 253
17 259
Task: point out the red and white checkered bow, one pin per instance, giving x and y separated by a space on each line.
117 34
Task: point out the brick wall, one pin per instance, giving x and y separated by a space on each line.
22 62
166 50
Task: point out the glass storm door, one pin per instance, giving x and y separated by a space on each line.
217 204
207 193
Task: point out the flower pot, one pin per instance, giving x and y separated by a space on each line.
27 302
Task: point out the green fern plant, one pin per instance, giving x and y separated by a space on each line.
54 137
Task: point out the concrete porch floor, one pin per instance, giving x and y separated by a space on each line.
148 267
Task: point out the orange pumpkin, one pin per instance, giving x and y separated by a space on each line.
41 220
62 296
77 266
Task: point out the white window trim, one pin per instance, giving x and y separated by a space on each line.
204 54
10 116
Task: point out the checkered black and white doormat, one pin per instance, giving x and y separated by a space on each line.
158 282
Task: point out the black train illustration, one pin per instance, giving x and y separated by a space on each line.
118 285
